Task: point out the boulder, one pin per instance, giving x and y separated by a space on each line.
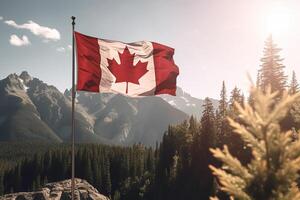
59 191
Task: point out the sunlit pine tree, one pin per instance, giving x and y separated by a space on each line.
207 141
272 69
273 171
221 115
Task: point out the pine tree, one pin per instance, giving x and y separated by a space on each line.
150 162
207 141
294 86
107 177
97 174
272 69
1 184
140 149
273 171
293 117
235 96
17 178
221 114
174 168
193 127
208 127
88 173
223 104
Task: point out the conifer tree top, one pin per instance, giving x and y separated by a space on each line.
272 69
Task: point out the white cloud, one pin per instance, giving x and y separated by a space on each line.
1 18
16 41
41 31
61 49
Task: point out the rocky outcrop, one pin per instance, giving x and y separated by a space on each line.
59 191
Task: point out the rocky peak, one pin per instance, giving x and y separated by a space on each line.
60 190
67 93
25 77
12 82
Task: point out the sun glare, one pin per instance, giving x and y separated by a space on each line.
278 19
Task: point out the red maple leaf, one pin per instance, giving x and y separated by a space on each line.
126 71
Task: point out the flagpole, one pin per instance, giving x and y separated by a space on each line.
73 109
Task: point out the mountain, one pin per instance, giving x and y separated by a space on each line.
121 119
186 103
19 117
60 190
33 110
55 110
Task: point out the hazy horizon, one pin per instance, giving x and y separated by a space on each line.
213 40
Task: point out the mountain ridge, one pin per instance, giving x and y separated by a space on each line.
187 103
33 110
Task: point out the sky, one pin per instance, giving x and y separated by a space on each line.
214 40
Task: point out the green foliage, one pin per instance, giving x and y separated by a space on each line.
105 167
136 187
13 152
182 168
273 171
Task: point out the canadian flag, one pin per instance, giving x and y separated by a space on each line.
134 69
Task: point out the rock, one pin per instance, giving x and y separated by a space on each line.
59 191
25 77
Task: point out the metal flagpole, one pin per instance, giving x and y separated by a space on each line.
73 109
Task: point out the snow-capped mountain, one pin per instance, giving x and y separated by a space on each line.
186 103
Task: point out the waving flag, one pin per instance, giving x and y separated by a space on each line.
134 69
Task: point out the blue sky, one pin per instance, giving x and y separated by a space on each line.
214 40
